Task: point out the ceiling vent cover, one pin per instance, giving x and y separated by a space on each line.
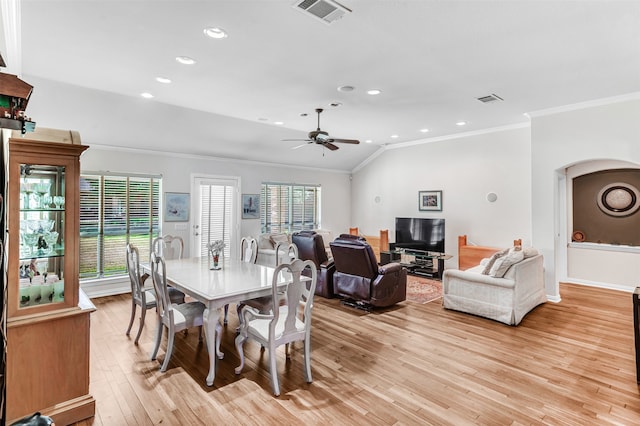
490 98
327 11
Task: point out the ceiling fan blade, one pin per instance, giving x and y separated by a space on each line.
300 146
352 141
329 145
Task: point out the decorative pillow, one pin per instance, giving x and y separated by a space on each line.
279 238
502 264
530 252
264 242
492 260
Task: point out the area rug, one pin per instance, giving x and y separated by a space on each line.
423 290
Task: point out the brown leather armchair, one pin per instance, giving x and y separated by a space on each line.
358 276
311 247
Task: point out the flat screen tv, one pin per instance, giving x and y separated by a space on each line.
421 234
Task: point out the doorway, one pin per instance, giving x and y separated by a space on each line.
214 203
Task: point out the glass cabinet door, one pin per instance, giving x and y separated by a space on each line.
42 222
43 209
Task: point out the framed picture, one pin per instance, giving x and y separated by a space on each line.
430 201
251 206
176 206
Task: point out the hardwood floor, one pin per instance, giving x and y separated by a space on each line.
570 363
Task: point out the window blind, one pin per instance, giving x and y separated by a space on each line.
289 207
216 207
116 210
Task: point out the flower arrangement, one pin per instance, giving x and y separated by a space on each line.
216 247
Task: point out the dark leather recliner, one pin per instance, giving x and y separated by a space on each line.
311 247
358 276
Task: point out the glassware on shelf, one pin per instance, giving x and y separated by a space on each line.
42 189
28 190
51 239
30 240
58 201
46 225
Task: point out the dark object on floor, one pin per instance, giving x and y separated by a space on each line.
35 419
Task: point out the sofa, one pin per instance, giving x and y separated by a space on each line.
268 242
504 287
358 277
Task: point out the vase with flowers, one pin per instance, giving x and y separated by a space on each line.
215 249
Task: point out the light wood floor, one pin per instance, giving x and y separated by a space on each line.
570 363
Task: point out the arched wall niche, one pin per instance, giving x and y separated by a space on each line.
608 262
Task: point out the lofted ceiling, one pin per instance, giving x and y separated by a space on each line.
430 59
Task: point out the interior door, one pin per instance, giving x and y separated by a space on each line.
215 203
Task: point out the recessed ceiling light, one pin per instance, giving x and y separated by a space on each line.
163 80
368 141
185 60
303 114
424 130
461 123
394 136
374 92
335 104
345 88
215 32
278 123
146 95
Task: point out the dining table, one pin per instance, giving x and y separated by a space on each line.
234 282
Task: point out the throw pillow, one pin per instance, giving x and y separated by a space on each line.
502 264
492 260
529 252
279 238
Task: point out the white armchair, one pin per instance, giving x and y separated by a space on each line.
506 299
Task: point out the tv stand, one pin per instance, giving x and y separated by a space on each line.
419 263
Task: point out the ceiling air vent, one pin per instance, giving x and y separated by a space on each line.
490 98
327 11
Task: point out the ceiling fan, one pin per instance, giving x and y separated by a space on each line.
321 137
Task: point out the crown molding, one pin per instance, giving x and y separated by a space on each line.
587 104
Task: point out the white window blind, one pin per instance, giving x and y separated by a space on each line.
289 207
116 210
216 206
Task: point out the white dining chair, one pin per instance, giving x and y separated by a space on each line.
248 253
289 253
171 316
141 296
290 322
168 246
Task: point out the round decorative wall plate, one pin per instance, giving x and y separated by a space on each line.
619 199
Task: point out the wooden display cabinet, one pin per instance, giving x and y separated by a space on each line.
48 315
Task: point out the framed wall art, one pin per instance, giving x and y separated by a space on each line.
176 206
430 201
251 206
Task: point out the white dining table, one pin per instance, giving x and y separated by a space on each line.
234 282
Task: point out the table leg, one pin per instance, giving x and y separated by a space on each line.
212 330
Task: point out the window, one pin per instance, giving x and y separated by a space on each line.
289 207
115 210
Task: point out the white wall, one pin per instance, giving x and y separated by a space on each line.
176 170
609 130
465 168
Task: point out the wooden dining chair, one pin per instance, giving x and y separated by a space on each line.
141 296
354 231
290 322
171 316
